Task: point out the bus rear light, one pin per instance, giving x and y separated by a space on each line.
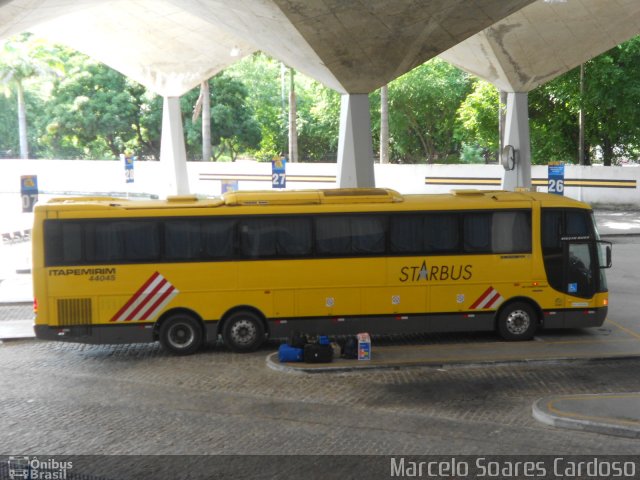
35 306
605 302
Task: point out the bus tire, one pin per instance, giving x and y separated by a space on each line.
517 321
243 331
181 334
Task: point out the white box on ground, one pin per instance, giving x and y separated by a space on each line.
364 346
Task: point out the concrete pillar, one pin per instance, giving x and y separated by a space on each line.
516 133
173 153
355 145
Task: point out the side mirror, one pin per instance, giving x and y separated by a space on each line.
605 254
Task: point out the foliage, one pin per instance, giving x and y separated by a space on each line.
24 58
476 123
233 126
422 107
91 112
437 113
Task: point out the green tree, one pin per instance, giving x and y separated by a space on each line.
22 58
233 127
261 75
476 123
93 112
422 106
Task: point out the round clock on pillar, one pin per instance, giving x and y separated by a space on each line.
508 157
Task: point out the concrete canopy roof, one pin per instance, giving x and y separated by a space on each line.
545 40
172 45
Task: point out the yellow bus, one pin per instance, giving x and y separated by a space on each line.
252 265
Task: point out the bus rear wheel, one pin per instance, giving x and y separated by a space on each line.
181 334
517 321
243 331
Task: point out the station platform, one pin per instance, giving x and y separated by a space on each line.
612 340
611 414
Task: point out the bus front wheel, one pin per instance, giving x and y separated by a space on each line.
517 321
181 334
243 331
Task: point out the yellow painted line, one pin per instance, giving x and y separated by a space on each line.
580 416
462 181
589 183
625 330
537 344
267 178
582 342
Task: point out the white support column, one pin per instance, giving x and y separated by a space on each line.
173 153
516 133
355 145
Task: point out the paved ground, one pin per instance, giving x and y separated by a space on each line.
66 398
60 398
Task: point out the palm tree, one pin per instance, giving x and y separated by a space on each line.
293 131
384 124
22 58
203 106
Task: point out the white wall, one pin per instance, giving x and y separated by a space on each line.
70 177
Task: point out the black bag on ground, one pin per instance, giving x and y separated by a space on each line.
314 353
297 339
350 347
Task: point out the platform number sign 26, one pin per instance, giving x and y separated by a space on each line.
556 179
28 192
279 172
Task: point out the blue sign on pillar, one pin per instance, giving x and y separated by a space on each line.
279 172
28 192
128 166
556 178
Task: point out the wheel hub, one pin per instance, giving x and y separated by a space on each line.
181 336
518 322
243 332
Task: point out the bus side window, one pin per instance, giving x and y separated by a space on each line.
442 233
183 240
104 242
407 234
258 237
511 232
218 238
293 236
368 234
63 243
477 232
333 235
141 240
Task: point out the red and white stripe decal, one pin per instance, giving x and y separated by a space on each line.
489 299
148 301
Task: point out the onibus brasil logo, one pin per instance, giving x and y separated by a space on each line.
32 468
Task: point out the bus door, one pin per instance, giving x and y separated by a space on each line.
579 272
583 267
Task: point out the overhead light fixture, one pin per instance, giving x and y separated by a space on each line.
235 51
555 1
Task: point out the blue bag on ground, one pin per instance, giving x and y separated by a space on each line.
287 353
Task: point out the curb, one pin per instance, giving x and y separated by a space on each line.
293 368
542 411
